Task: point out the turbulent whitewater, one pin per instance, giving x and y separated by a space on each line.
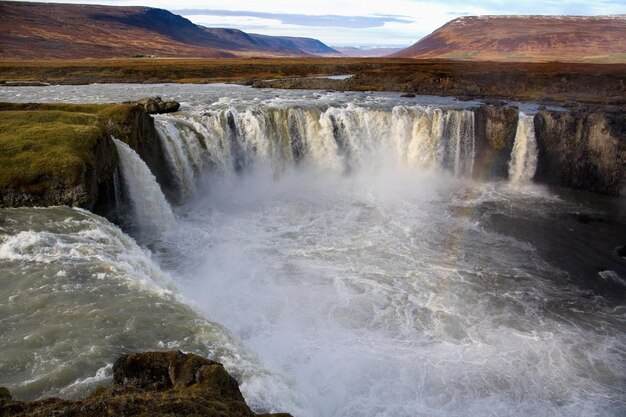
334 253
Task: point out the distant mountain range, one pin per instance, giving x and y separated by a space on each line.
70 31
526 38
74 31
365 53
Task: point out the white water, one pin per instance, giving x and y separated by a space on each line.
334 139
151 211
335 243
523 163
76 292
376 296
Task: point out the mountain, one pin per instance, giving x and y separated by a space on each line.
70 31
526 38
365 53
277 44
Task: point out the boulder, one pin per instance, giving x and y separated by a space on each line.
4 394
155 105
174 369
157 384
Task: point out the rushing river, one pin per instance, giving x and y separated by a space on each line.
331 251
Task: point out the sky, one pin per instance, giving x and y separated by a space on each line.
364 23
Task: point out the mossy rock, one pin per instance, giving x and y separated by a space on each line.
156 384
57 153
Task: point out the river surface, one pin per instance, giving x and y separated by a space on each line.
331 251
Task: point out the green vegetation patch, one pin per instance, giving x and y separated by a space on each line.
44 143
610 58
462 55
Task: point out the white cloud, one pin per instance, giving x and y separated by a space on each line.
237 22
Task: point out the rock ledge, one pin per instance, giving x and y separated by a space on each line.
155 384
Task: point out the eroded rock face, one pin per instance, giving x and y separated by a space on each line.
494 127
93 190
174 369
152 383
582 150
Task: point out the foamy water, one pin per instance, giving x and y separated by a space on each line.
334 255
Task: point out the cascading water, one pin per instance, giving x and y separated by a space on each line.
523 162
350 273
337 139
151 211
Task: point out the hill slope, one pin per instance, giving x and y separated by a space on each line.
366 53
70 31
277 44
526 38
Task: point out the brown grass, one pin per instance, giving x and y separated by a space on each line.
598 83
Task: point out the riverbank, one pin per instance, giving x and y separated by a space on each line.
562 83
63 154
158 384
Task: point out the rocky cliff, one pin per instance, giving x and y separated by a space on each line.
495 127
61 154
155 384
585 150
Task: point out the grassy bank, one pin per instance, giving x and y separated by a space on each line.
44 143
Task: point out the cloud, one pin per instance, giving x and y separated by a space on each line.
236 22
303 19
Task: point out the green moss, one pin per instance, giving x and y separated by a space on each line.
40 143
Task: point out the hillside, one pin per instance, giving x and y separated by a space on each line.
276 44
526 38
366 53
72 31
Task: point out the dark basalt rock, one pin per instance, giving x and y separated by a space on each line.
408 95
155 384
584 150
4 394
165 370
155 105
587 219
494 127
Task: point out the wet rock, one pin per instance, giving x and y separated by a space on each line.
4 394
158 370
587 219
582 149
408 95
494 127
157 384
155 105
621 251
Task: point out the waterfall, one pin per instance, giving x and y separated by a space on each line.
523 162
184 152
117 191
458 145
151 211
341 139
